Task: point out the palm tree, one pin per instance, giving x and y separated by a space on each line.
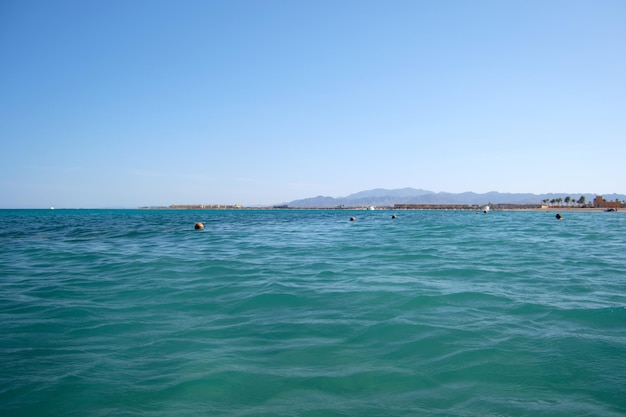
581 200
567 200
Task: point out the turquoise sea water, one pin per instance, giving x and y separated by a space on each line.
304 313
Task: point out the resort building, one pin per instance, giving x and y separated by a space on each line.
601 203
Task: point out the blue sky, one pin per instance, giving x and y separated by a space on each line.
133 103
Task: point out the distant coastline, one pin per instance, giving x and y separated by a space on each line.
395 207
419 199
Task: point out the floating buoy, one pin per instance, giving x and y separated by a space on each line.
199 226
558 216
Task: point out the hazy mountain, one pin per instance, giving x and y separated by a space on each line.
398 193
384 197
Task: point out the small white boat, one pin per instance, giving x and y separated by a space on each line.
371 208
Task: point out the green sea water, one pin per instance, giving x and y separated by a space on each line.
305 313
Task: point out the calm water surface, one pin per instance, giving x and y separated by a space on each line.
304 313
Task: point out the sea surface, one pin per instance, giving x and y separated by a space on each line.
306 313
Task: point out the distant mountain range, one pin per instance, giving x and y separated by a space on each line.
384 197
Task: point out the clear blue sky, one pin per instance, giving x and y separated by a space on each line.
132 103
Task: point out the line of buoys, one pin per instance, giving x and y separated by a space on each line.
200 226
393 216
